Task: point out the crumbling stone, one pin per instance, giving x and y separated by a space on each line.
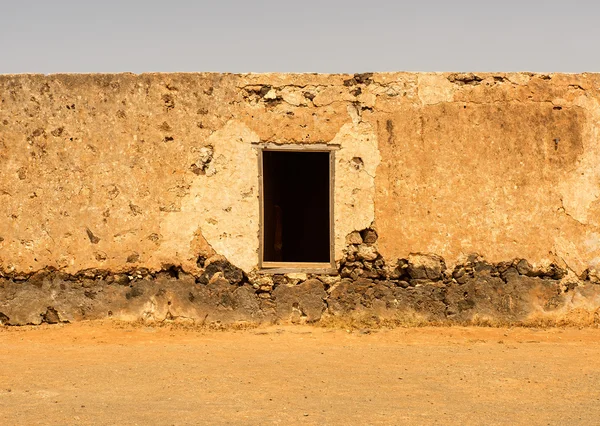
426 266
464 79
205 157
279 279
362 260
50 316
121 279
505 292
300 303
216 264
329 280
364 78
263 282
367 252
591 275
354 238
523 267
369 236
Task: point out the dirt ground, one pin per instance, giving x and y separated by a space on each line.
108 373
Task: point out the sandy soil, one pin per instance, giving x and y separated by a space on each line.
105 373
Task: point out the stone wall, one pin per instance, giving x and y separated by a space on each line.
417 290
118 190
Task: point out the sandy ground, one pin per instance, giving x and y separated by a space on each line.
105 373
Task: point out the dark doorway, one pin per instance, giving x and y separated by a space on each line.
296 197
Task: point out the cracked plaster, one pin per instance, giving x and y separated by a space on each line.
451 164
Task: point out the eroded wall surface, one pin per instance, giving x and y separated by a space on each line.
121 173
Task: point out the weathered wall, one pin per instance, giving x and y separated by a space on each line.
124 172
505 167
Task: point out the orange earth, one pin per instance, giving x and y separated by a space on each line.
125 374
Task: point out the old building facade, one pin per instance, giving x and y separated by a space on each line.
452 197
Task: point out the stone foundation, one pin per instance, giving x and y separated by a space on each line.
417 290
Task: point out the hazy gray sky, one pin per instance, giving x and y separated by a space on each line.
51 36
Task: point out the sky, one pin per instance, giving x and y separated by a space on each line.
326 36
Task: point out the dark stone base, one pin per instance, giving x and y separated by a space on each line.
482 297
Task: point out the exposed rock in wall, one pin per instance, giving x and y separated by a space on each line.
417 289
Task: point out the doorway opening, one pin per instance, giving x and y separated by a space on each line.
297 209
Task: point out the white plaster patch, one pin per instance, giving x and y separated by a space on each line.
355 164
223 203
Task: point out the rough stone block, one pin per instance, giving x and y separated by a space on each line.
302 302
426 266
